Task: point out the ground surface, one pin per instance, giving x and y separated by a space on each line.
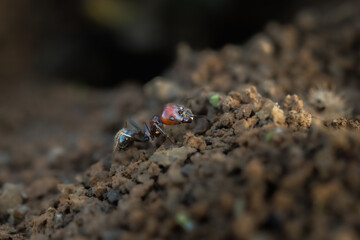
279 158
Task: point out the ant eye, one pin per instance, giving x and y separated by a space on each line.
172 118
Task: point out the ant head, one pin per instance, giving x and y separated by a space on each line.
174 114
186 115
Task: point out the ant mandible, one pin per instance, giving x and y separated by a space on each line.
173 114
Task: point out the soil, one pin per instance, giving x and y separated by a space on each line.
278 157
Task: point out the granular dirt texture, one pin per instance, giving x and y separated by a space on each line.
277 156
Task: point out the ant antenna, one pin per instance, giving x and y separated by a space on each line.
202 116
189 113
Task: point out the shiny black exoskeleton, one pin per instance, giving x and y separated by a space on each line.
126 137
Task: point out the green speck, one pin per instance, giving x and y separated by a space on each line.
239 206
237 161
270 134
214 100
184 221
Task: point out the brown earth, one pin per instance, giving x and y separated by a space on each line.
279 158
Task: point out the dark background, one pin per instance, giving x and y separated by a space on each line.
103 42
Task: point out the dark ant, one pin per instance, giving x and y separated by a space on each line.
172 114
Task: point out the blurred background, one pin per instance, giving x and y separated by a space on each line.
103 42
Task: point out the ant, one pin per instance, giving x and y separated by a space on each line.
173 114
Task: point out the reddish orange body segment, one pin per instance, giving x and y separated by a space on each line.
170 115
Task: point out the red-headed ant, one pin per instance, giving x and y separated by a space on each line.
173 114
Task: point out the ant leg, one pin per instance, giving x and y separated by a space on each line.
141 136
139 132
164 133
133 123
147 132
